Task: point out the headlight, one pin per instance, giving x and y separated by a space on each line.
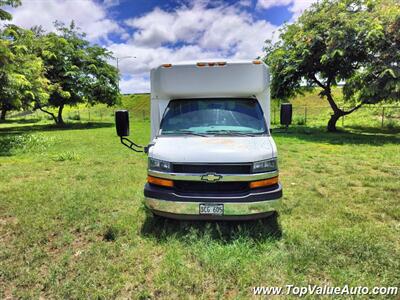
265 165
159 165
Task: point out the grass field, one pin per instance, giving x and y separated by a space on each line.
73 223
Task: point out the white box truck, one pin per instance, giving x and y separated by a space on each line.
211 154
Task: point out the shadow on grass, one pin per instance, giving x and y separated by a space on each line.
54 127
259 230
351 135
20 138
374 130
21 121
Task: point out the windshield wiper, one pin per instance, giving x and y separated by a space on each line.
230 132
187 132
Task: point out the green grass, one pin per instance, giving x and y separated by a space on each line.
73 222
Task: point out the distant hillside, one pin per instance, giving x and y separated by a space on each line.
312 99
137 103
142 101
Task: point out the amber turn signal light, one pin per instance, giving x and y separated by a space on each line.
166 65
264 182
160 181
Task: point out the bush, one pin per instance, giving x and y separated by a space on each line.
76 117
299 121
11 144
391 124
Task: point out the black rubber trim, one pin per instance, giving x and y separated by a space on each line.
213 218
168 194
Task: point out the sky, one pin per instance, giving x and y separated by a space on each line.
147 33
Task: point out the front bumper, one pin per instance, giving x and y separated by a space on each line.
252 205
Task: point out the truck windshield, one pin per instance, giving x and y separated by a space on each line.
213 116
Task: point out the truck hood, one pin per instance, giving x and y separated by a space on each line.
214 149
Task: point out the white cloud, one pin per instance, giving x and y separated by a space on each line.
272 3
296 7
245 3
219 27
89 15
193 31
111 3
134 84
190 33
153 29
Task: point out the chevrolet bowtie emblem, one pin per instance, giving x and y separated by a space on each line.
211 177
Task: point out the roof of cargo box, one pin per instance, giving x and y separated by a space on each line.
206 78
211 60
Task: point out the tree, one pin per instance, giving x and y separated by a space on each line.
6 15
379 79
22 78
78 72
355 42
12 81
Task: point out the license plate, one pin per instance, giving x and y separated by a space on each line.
211 209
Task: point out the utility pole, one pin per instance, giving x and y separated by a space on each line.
118 59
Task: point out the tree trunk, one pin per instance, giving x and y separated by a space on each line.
332 121
3 114
337 112
49 113
60 120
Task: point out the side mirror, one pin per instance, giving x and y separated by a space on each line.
286 114
122 122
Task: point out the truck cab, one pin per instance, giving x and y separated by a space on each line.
211 154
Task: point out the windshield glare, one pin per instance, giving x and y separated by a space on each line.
213 116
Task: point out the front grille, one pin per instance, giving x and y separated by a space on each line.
212 168
205 187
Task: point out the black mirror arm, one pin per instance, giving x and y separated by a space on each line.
128 143
147 148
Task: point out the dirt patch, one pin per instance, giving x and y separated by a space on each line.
8 220
7 292
7 226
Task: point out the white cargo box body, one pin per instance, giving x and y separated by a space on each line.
241 79
230 80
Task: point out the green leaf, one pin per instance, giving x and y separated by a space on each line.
324 59
337 52
388 71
